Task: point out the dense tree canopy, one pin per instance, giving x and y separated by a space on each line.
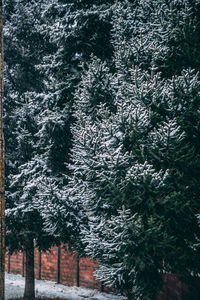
136 148
102 126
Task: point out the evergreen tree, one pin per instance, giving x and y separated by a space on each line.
78 30
45 43
127 73
136 150
24 48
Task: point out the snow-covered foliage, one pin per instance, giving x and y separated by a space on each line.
102 106
45 45
26 161
135 156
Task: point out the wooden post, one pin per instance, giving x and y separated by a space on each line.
23 263
58 264
8 262
39 264
77 271
2 168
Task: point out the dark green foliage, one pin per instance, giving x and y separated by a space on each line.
136 149
45 45
102 126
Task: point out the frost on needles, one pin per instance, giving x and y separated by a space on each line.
136 154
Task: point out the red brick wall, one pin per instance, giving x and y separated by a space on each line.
49 265
57 264
68 266
87 268
14 263
62 265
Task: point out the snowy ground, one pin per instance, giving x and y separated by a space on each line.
15 288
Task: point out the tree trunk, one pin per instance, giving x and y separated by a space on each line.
2 165
29 292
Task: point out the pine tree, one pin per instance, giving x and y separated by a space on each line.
76 43
136 149
24 49
45 43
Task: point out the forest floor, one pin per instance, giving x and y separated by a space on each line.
44 289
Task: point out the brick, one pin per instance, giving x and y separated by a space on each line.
68 267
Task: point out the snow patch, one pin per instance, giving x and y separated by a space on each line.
14 288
